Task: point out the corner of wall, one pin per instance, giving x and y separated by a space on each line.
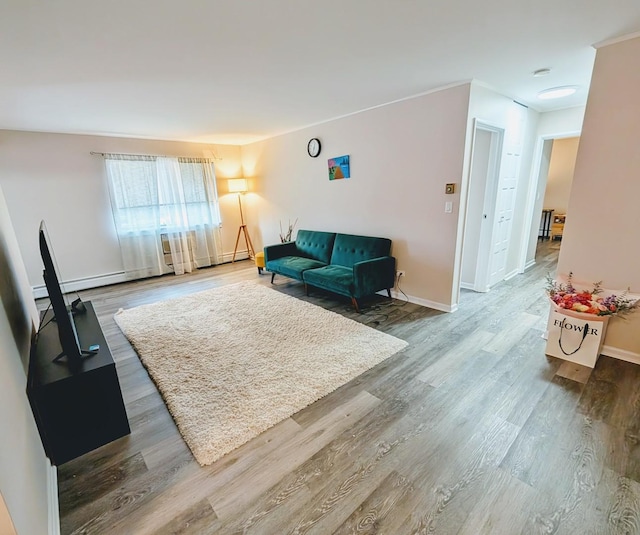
52 497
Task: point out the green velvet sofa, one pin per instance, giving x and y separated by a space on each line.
349 265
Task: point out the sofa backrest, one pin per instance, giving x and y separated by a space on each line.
349 249
315 244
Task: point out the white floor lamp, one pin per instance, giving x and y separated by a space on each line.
239 186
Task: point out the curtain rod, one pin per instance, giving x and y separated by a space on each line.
215 158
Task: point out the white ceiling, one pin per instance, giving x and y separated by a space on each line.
233 71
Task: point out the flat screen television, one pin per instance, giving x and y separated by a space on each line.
62 310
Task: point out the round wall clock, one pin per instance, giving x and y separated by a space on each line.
313 147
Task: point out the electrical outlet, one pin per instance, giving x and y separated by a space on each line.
399 274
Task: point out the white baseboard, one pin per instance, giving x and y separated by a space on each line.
511 275
240 255
52 496
423 302
529 264
83 284
86 283
622 354
473 288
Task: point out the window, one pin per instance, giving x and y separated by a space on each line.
151 193
166 213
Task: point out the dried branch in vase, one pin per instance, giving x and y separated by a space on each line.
287 236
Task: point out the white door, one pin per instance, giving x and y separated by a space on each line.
503 221
506 197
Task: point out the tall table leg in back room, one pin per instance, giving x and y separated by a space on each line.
243 230
545 225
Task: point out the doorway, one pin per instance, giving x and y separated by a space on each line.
478 260
550 191
493 172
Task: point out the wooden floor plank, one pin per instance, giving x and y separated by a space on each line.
199 519
356 457
455 358
504 493
378 506
78 490
448 484
349 479
197 483
272 468
535 444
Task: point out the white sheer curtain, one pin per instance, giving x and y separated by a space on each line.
166 213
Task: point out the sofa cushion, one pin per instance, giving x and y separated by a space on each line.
338 279
349 249
293 266
316 245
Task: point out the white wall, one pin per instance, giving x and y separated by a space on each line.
402 155
521 222
539 184
601 235
54 177
24 469
496 109
560 176
560 123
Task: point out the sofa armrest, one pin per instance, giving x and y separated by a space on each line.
371 276
272 252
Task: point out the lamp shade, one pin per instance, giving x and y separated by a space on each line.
237 185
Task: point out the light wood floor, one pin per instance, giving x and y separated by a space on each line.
470 430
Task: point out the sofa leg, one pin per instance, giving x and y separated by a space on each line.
306 289
389 292
273 276
355 304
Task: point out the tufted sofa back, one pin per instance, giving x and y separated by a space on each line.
349 249
316 245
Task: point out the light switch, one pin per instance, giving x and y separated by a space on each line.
448 207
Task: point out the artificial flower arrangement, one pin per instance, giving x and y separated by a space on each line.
566 296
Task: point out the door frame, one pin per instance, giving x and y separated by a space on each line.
481 279
536 186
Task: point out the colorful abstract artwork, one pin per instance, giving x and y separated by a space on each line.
339 167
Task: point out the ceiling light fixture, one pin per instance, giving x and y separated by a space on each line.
541 72
557 92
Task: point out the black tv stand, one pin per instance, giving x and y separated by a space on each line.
78 407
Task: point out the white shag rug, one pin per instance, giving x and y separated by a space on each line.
234 361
